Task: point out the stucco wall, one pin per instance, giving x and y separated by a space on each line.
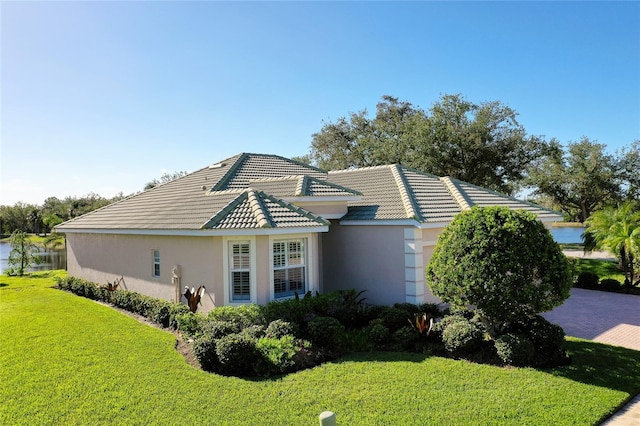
365 258
429 239
104 257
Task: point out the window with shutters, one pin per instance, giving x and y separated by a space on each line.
240 271
289 268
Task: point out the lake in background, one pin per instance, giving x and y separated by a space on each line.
52 259
568 234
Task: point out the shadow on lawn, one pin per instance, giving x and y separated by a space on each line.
602 365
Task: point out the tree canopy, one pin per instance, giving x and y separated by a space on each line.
481 143
585 178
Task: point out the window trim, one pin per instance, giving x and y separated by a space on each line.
227 258
155 263
309 265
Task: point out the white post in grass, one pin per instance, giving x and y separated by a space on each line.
327 418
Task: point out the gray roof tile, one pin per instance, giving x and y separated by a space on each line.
246 191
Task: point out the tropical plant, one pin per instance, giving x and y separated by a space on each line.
617 230
23 254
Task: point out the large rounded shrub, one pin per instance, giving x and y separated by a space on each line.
502 261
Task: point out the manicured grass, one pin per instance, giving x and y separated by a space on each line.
603 268
69 360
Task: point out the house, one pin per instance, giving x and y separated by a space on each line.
255 228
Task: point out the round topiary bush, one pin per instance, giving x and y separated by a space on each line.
505 262
460 336
327 332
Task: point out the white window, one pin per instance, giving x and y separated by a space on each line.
289 268
240 271
156 263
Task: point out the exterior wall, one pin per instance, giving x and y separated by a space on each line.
429 239
201 260
367 258
104 257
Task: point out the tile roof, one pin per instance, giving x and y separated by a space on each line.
195 200
254 191
396 192
301 186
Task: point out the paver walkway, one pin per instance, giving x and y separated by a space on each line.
604 317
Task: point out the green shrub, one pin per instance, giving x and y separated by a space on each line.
431 309
407 339
160 312
189 323
461 336
394 318
327 332
204 349
237 353
410 308
177 309
514 349
548 340
254 331
277 354
588 280
279 328
502 261
378 334
243 315
218 329
610 284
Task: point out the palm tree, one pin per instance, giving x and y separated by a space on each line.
617 230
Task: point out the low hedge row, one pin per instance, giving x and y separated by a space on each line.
591 281
160 311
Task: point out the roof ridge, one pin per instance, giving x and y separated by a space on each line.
462 199
302 186
500 194
223 212
276 178
258 210
232 169
355 169
408 201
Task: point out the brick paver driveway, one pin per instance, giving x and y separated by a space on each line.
604 317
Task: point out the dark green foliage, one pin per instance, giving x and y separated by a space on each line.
279 328
610 284
218 329
431 309
514 349
277 355
237 353
378 334
588 280
410 308
244 315
189 323
204 348
407 339
395 318
548 339
461 336
327 332
504 262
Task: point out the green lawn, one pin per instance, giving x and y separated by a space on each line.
69 360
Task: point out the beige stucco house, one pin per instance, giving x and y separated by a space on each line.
255 228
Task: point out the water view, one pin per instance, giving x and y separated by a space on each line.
52 259
568 235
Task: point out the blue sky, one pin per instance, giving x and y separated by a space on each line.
105 96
